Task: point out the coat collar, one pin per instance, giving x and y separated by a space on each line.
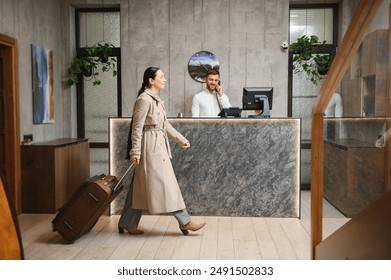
151 94
154 96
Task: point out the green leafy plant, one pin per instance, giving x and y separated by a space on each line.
323 63
304 60
97 58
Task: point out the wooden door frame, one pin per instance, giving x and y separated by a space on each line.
9 47
388 120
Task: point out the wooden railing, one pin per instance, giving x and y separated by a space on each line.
10 239
358 27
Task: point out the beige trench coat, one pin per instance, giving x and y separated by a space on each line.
155 187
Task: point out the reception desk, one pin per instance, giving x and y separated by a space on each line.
235 167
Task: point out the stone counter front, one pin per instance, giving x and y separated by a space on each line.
235 167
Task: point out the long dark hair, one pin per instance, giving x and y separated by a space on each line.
150 73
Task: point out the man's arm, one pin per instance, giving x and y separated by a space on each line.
224 101
338 106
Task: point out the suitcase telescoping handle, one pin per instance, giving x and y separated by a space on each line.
118 186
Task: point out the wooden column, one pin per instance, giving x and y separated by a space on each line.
354 35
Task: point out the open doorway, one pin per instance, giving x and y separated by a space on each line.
95 104
309 19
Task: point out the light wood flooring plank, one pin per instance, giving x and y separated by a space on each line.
242 228
297 236
105 251
305 205
245 241
209 243
306 224
223 238
265 240
130 245
281 241
188 247
104 232
39 240
247 250
225 243
72 250
155 238
111 243
169 241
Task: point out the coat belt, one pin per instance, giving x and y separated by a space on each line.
152 127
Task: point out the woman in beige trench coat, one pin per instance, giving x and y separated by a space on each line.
154 187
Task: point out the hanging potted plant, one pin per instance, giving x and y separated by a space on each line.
316 66
102 51
80 66
302 48
323 63
97 58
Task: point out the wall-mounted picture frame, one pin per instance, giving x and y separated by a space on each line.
42 85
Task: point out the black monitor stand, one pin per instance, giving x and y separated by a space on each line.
266 111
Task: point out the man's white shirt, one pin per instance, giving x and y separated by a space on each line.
205 104
334 108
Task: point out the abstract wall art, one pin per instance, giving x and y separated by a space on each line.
42 85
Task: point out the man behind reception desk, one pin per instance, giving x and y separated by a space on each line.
210 101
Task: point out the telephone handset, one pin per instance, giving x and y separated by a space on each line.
218 86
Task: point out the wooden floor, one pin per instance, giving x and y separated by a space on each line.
233 238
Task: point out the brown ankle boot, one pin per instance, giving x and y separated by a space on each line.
130 230
192 226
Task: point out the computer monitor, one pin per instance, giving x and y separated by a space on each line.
258 99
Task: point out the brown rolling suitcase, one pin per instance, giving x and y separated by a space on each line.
81 212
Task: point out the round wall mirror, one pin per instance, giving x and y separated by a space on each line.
200 63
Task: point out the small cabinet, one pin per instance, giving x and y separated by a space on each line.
51 172
353 174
